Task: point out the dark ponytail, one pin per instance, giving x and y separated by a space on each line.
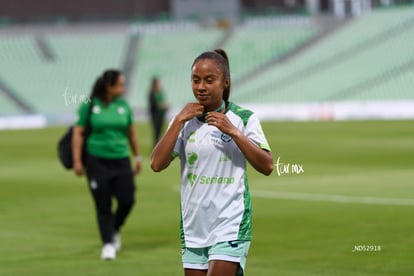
222 59
109 77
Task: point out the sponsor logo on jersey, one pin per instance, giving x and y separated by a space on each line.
191 178
209 180
233 244
216 180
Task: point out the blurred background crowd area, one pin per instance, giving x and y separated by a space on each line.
297 59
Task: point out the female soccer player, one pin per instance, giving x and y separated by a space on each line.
213 139
107 161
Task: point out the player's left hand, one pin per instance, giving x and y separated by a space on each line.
221 121
137 169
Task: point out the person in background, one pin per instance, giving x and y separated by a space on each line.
106 161
157 108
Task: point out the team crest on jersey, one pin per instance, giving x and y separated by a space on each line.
225 138
96 109
121 110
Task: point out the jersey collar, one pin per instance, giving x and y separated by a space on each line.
222 107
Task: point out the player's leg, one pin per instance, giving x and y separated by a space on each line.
103 204
98 182
195 261
228 258
194 272
123 188
222 268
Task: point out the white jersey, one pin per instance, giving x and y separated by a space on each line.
215 198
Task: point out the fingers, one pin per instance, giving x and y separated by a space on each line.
197 109
190 111
198 113
215 118
220 121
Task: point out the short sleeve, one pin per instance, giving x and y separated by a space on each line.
82 115
130 115
255 133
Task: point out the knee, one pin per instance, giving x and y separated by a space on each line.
103 207
126 204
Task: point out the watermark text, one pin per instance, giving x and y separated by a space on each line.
75 99
288 168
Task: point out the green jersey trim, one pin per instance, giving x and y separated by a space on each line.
174 154
245 228
182 236
265 147
243 113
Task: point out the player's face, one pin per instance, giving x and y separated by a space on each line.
207 83
118 88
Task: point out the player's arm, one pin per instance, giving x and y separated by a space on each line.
77 144
162 155
133 143
260 159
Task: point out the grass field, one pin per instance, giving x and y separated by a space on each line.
357 189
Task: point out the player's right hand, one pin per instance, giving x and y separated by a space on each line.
78 168
190 111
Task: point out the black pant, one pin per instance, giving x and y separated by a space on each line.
157 124
109 178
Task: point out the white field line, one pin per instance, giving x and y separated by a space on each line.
333 198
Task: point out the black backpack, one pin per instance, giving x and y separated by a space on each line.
65 143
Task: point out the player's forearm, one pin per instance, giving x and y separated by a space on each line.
161 156
77 144
133 140
260 159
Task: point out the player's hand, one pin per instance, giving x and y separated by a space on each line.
221 121
78 168
138 167
190 111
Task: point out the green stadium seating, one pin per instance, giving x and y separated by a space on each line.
79 59
369 58
7 107
248 48
251 47
169 56
322 71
